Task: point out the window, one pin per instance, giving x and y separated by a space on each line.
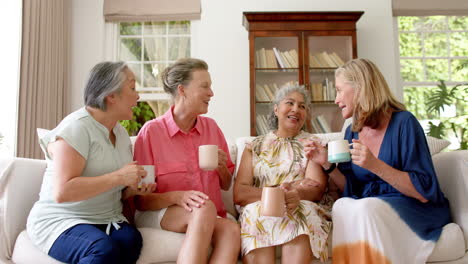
149 48
434 48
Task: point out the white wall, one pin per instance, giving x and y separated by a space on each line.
221 40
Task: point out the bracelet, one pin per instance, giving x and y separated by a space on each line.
332 168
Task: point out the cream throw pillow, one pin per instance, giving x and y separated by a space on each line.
436 145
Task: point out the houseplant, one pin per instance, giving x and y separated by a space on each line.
442 97
141 113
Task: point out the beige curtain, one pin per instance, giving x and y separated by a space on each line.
44 71
151 10
430 7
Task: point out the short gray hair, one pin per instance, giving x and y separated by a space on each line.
180 73
104 79
280 95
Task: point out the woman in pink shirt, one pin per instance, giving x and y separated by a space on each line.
188 199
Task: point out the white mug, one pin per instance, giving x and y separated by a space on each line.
338 151
208 157
149 175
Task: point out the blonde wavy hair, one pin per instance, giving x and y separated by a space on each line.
373 99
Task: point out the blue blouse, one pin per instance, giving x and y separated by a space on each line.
404 147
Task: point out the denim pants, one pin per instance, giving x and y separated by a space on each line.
85 243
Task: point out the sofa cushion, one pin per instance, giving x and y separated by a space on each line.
26 252
452 173
450 246
20 183
159 245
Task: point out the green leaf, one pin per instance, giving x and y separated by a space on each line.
436 131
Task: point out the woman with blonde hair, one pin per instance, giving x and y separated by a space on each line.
390 189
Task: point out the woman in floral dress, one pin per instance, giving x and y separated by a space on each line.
277 158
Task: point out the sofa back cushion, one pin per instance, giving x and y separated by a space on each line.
20 183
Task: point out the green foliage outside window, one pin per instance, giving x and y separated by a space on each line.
433 52
141 114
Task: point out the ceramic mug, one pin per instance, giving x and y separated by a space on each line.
149 175
208 157
338 151
273 203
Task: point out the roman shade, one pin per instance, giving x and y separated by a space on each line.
429 7
151 10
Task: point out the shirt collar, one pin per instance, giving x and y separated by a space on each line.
173 128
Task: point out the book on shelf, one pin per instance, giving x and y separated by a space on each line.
271 59
325 60
313 61
291 61
338 61
262 124
316 91
295 58
263 58
269 92
323 124
262 95
315 126
279 57
330 63
286 62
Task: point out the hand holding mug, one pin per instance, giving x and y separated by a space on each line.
222 158
292 199
149 179
361 155
130 174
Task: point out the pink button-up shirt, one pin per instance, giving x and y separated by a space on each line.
175 155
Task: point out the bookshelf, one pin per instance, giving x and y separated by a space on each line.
303 48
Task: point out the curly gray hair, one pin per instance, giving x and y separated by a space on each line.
280 95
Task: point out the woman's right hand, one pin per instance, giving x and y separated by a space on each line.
190 199
130 174
315 152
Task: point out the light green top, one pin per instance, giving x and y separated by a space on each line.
48 219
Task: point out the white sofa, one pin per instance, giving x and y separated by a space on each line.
20 182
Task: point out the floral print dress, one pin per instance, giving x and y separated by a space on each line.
277 160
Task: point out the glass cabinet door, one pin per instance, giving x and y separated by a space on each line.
325 55
276 64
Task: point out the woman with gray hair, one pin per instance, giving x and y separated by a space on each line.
278 159
90 171
188 198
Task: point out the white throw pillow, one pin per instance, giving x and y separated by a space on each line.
436 145
41 132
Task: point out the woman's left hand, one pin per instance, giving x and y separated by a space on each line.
222 158
361 155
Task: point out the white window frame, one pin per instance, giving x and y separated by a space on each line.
424 58
113 35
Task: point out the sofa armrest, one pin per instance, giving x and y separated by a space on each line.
452 173
20 183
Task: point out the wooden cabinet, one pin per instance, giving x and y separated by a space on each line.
303 48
